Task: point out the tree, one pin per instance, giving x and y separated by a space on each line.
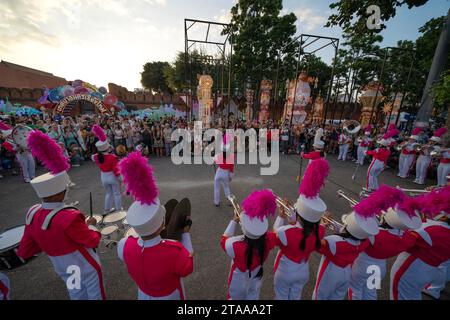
259 34
152 78
348 11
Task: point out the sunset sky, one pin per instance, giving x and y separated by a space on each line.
103 41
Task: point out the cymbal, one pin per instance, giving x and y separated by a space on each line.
178 219
169 206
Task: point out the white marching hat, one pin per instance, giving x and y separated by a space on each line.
256 209
319 144
309 206
414 137
102 146
438 134
399 219
360 227
51 155
146 214
384 142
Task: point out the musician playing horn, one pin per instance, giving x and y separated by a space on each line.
425 262
424 159
339 251
157 266
380 156
250 250
443 169
407 154
302 236
363 144
398 215
344 143
59 231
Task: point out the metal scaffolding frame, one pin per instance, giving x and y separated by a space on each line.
221 46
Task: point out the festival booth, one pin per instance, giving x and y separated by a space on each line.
62 99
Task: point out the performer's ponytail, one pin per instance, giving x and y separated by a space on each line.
252 245
100 157
308 228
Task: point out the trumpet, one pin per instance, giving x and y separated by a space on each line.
341 194
413 190
237 208
290 210
419 147
332 224
400 146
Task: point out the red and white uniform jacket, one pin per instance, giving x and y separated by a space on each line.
236 248
290 237
365 142
380 154
5 289
433 243
445 158
313 155
409 149
227 164
389 243
67 240
341 251
109 164
157 266
10 147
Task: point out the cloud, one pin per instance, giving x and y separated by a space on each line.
224 17
308 19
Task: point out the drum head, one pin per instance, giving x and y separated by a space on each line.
11 238
115 217
106 231
177 221
169 206
131 233
20 134
97 218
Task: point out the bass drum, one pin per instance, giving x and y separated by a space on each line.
9 243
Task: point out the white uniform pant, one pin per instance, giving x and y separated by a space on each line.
343 150
242 287
405 162
443 170
5 287
409 275
82 274
361 155
289 279
438 284
176 295
112 187
27 165
422 164
375 168
360 289
222 178
332 282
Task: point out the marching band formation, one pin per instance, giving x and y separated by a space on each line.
386 223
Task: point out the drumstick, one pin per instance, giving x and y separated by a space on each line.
90 204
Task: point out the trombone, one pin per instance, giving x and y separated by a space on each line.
413 190
237 208
290 210
341 194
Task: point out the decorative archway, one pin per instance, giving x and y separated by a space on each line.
64 103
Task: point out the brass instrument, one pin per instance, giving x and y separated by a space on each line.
331 224
341 194
351 126
438 151
400 146
413 191
290 210
419 147
237 208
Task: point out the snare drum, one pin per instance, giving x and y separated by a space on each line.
97 218
131 233
115 217
110 232
9 242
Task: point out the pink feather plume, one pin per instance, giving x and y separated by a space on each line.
260 204
314 178
410 205
436 201
99 133
416 131
4 126
391 127
380 200
391 133
48 152
138 177
439 132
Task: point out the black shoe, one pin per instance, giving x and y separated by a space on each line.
217 205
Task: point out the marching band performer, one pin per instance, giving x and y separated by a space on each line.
443 169
225 171
59 231
23 156
364 142
157 266
340 251
5 289
419 265
398 216
298 240
110 175
424 160
380 156
406 158
250 250
318 146
344 144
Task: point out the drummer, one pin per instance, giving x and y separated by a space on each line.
5 289
157 266
59 231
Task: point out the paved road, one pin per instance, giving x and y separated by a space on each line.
36 280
